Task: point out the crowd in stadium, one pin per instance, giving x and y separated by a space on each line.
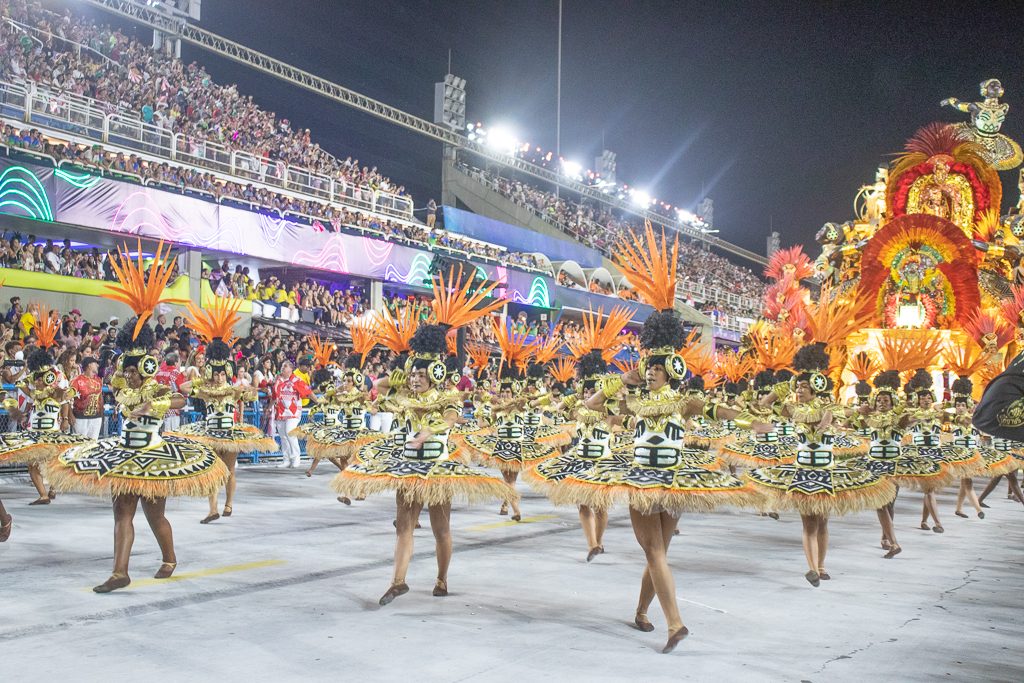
598 227
173 96
335 218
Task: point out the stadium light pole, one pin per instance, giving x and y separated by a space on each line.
558 94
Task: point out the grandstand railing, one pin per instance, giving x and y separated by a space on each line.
703 292
102 122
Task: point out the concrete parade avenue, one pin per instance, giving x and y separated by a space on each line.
287 589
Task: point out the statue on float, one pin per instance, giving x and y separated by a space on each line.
987 119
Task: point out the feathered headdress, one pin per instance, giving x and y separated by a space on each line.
864 366
651 270
733 366
395 330
907 350
773 347
479 356
1012 309
46 327
454 306
364 336
323 351
990 332
545 349
515 352
563 369
964 359
215 322
989 225
792 263
141 289
599 333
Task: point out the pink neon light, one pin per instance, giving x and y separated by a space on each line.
377 251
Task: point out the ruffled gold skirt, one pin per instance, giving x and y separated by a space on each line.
32 446
908 470
175 467
676 489
429 482
507 455
746 451
835 490
241 438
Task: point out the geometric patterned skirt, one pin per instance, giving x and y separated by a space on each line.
240 438
335 441
907 469
834 490
34 445
507 455
175 467
684 487
747 451
957 461
383 466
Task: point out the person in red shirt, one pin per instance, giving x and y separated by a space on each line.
87 405
170 375
287 393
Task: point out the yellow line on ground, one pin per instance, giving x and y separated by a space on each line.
498 525
212 571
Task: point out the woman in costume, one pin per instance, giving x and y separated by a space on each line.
886 425
759 449
815 485
221 399
418 466
46 396
925 436
659 481
516 440
139 465
595 428
994 463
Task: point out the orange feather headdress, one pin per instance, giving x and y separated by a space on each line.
514 350
364 336
563 369
792 263
215 322
46 327
455 306
651 270
479 355
395 330
141 289
323 351
599 333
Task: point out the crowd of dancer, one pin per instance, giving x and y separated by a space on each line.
594 420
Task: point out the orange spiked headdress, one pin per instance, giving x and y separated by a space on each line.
792 262
141 289
563 369
599 333
395 330
215 322
651 268
454 306
323 351
364 336
46 327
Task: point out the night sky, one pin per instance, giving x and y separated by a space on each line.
781 111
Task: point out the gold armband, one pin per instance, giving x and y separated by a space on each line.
782 390
744 420
160 406
611 386
711 410
10 404
396 379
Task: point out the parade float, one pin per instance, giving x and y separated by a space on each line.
928 273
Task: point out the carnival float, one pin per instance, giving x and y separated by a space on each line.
928 274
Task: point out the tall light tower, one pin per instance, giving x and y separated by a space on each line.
450 103
177 11
774 243
605 165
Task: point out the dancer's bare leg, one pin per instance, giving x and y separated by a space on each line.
510 479
312 466
231 460
587 523
154 511
646 584
967 492
1015 487
407 514
650 533
888 532
600 525
36 475
440 524
992 483
6 522
822 545
810 538
124 536
931 508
